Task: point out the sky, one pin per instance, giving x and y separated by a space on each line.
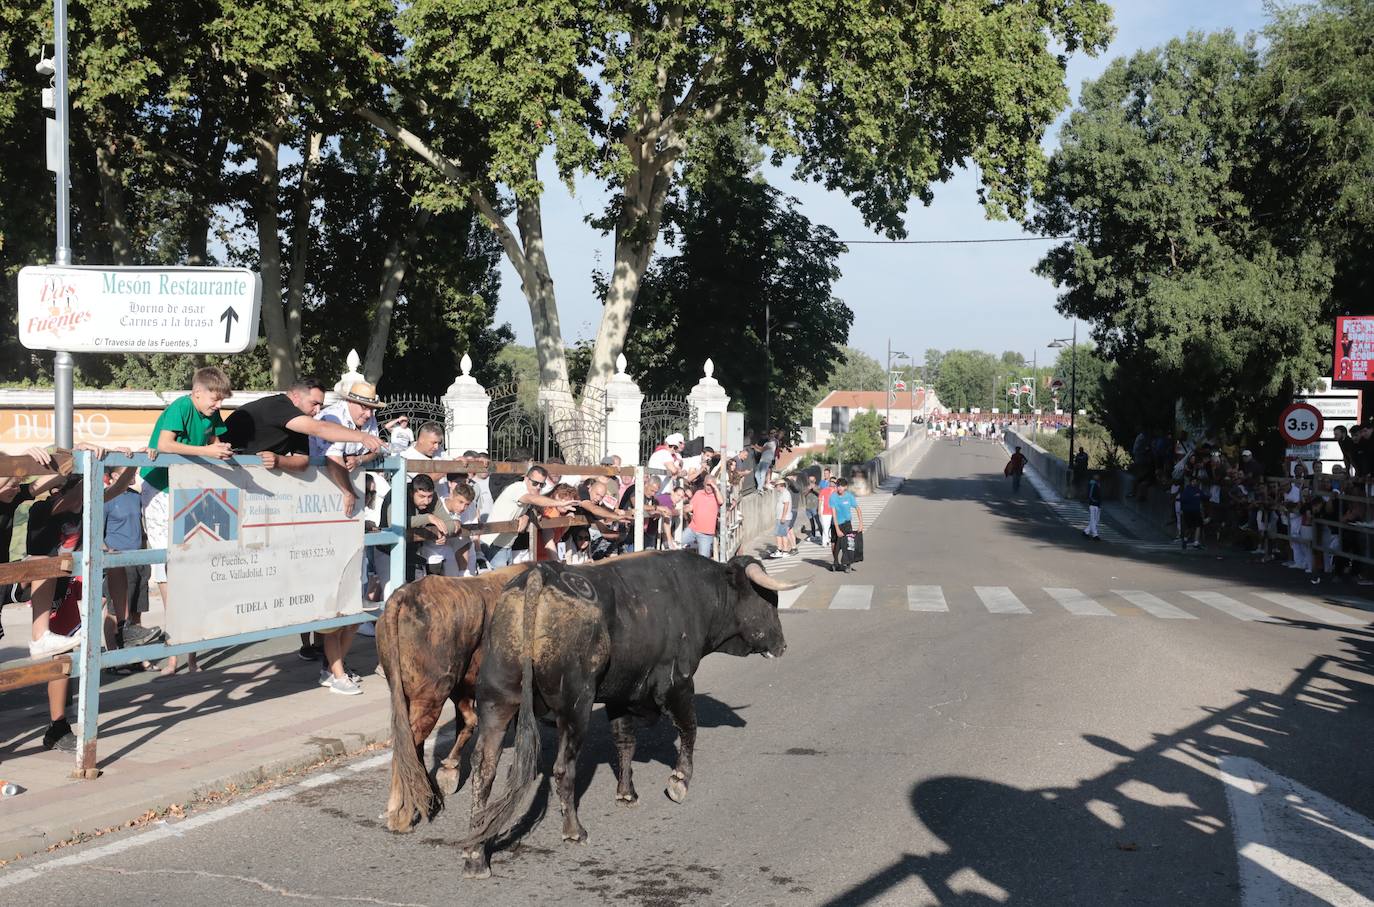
972 296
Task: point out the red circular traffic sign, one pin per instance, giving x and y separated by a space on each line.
1300 423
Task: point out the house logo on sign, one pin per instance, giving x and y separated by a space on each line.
205 514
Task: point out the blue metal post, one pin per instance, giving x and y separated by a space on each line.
400 498
92 622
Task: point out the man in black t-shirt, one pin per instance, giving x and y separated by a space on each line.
277 427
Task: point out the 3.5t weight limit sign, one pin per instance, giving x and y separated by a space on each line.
1300 424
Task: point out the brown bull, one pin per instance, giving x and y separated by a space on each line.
429 642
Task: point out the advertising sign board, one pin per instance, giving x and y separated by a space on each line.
1353 357
251 549
139 310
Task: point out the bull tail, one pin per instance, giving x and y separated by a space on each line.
408 776
523 773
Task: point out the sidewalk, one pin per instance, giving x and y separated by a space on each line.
253 713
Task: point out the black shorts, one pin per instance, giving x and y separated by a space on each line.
1192 520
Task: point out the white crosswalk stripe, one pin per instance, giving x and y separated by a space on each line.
1228 605
1153 604
1316 612
852 598
1000 600
926 598
1003 600
1076 602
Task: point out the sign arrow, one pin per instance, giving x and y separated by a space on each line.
228 317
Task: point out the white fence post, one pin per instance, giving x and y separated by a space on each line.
623 408
467 403
709 405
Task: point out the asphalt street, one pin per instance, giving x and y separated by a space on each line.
990 710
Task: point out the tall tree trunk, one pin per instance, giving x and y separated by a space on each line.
636 233
393 274
300 244
112 197
269 259
214 144
537 283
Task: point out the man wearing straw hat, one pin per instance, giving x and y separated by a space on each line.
357 410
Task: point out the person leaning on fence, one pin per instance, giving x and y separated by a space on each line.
55 529
704 509
501 547
14 492
357 412
189 426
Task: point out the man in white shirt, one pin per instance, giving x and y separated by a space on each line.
357 410
500 547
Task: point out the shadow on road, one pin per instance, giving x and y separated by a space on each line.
1160 809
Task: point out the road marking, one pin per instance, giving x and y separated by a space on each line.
1295 846
926 598
789 598
852 598
1000 600
1228 605
1153 604
1077 603
1316 612
175 829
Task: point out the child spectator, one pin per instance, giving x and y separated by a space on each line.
190 426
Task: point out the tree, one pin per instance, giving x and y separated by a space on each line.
876 103
1094 374
861 443
746 256
971 378
1188 291
855 371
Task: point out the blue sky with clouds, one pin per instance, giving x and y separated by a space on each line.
980 296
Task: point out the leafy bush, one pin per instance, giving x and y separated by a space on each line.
861 443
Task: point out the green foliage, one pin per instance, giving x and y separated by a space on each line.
746 257
855 371
1192 293
861 443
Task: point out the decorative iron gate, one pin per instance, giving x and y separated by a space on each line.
660 417
525 421
419 410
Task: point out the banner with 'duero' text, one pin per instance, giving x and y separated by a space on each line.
252 549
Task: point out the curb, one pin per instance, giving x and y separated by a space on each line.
39 837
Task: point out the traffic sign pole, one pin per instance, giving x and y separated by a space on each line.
63 367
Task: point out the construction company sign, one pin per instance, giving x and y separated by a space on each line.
252 549
139 310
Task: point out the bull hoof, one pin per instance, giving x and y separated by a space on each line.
397 825
577 837
677 788
447 779
476 867
630 799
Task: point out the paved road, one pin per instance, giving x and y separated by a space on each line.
991 710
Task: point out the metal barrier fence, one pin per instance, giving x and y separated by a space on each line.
91 560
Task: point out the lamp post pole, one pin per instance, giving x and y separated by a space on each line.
768 375
62 360
1073 387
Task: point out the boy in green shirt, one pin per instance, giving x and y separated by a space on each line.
190 426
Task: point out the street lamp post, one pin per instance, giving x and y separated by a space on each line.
890 357
1073 381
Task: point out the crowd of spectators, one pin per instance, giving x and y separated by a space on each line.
1315 521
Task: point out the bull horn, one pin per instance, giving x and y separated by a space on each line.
758 577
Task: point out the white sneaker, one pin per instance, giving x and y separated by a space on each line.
344 687
326 678
51 644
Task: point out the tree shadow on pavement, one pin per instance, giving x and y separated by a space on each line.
1135 833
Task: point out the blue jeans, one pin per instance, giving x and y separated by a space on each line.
761 474
703 541
498 557
1015 482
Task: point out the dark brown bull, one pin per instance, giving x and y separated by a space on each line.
429 642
